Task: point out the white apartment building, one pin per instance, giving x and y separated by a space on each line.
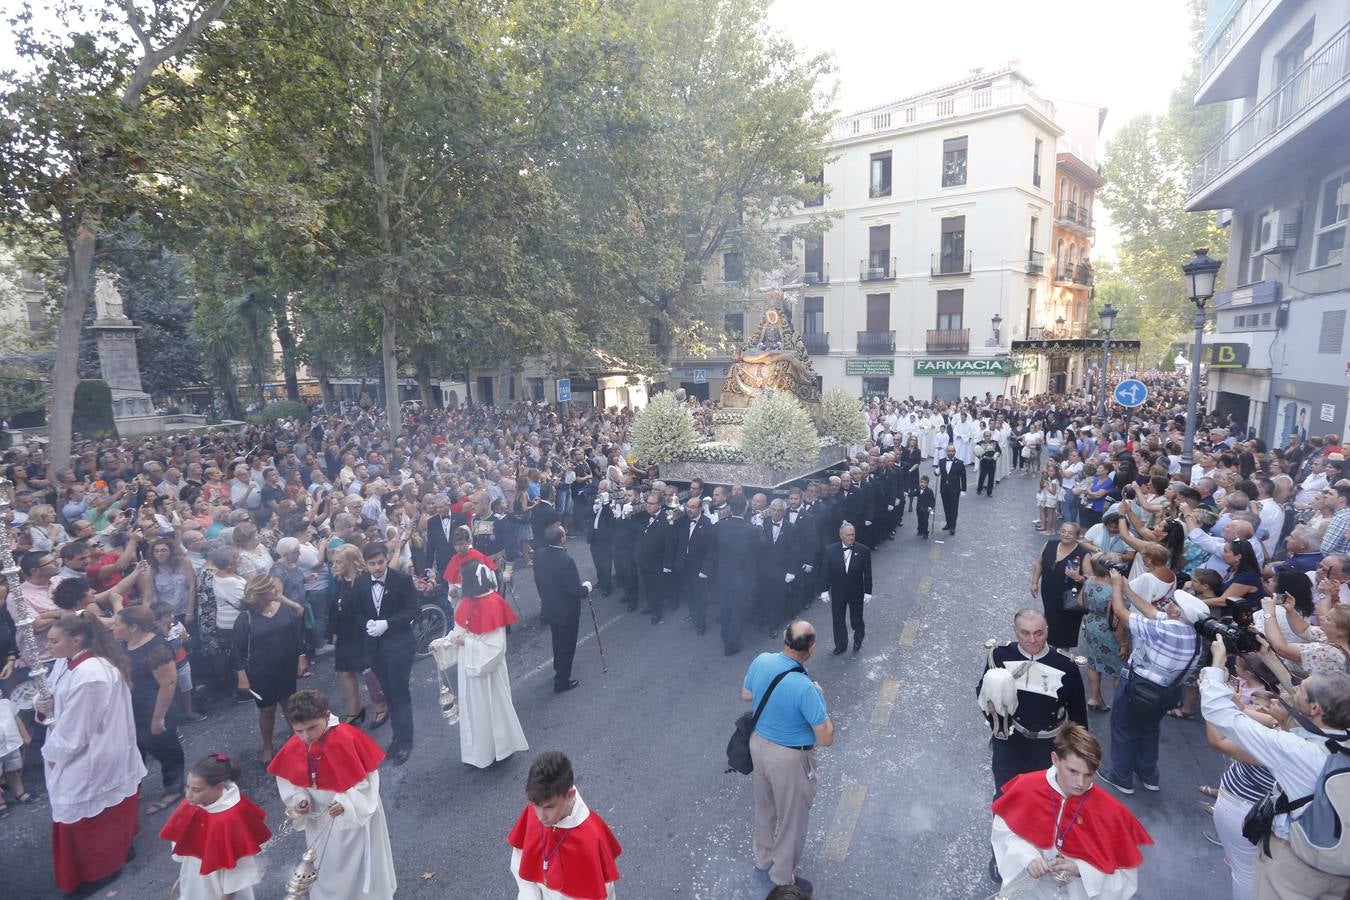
1280 179
936 259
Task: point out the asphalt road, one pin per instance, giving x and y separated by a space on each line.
902 807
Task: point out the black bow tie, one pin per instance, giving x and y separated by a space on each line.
375 581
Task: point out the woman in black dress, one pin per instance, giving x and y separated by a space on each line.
1056 572
911 458
154 681
269 648
347 631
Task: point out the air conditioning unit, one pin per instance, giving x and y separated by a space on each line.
1223 218
1279 232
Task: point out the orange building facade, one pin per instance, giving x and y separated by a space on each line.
1064 315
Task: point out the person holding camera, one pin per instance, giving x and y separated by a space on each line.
1298 760
1165 646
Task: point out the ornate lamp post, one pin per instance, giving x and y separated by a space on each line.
997 322
1201 274
1108 317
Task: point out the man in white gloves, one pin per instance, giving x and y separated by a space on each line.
389 602
561 591
848 580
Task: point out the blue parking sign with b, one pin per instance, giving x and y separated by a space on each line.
1131 393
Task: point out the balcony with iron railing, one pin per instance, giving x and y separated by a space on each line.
1074 215
1080 274
817 342
1322 80
1058 332
950 264
1000 90
1231 36
876 343
1035 262
877 268
821 277
948 340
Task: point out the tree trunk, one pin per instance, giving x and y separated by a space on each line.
388 346
66 368
424 384
326 389
287 341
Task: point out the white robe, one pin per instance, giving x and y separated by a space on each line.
1001 434
964 433
1014 854
940 442
239 881
356 863
488 727
533 890
91 740
935 424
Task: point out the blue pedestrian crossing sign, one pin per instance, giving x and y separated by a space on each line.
564 390
1131 393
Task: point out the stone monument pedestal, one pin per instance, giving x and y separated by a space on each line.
118 363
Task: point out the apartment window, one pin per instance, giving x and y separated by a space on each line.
733 266
1334 210
818 181
1063 194
785 247
1059 259
814 312
733 326
950 309
1073 257
879 249
948 390
876 387
1254 267
953 162
1031 305
815 258
1036 164
1035 227
537 389
1333 331
1239 321
878 312
953 244
511 388
1265 318
881 174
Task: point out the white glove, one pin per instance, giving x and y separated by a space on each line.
867 523
789 578
587 586
890 506
867 598
376 627
807 569
701 575
628 509
963 493
665 571
824 596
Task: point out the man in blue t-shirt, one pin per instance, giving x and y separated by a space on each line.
783 749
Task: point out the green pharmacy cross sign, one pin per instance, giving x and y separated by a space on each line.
989 367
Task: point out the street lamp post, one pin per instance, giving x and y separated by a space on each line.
1108 317
1201 273
997 322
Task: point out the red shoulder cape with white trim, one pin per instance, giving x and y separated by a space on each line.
1105 834
483 614
219 839
585 860
342 758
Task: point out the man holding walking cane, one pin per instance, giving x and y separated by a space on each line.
560 594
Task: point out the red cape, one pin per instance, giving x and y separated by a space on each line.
343 757
1105 834
220 839
456 564
483 614
584 863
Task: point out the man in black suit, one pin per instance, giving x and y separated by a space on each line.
951 486
780 567
561 591
388 601
693 557
848 586
735 545
544 514
604 526
440 526
655 557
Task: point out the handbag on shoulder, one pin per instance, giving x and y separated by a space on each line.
738 747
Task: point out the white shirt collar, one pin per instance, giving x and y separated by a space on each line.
578 814
228 799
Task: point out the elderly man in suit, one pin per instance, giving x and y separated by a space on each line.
951 486
605 512
848 586
780 567
561 591
439 547
389 603
735 545
693 560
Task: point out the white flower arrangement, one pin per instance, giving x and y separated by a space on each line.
841 419
716 452
779 432
729 417
664 431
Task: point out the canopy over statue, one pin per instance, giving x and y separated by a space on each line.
774 359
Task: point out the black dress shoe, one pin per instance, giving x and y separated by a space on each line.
994 876
857 647
632 607
657 618
731 651
564 688
399 756
839 650
700 629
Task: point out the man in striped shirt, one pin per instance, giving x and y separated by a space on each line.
1166 646
1336 542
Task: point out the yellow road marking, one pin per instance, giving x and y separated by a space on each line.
881 713
910 633
935 553
925 585
845 820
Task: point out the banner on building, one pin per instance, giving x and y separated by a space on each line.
1227 356
998 366
869 367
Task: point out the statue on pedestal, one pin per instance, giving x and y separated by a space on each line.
107 300
774 359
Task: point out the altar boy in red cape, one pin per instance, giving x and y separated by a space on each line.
561 849
216 833
1053 828
329 778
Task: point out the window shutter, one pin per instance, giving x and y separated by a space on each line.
1333 331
